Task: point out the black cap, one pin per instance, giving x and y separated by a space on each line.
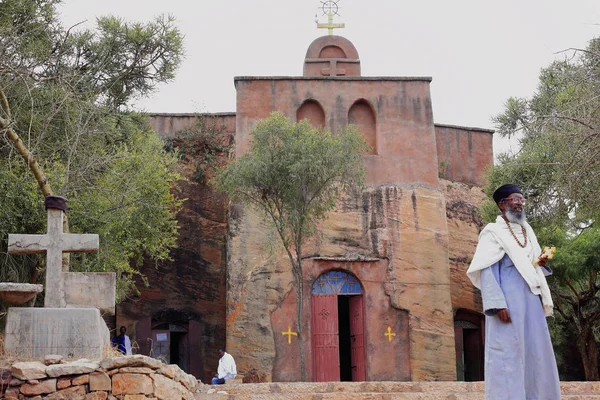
504 191
56 202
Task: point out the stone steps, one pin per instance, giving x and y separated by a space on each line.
374 391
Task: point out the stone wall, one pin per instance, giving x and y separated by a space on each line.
463 153
123 378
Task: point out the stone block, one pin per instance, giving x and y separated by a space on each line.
94 289
63 383
73 368
136 370
44 387
12 394
81 380
132 384
51 359
74 392
99 381
27 371
35 332
165 388
137 360
96 396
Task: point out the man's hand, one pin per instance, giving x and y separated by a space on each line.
504 315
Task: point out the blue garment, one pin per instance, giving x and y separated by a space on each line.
119 343
217 381
519 358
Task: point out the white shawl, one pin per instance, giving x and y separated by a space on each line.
495 240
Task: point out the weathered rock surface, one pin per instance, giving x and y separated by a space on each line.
53 359
464 225
28 370
137 360
73 368
132 384
167 389
394 239
128 377
75 392
100 381
44 387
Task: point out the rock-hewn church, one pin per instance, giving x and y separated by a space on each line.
386 296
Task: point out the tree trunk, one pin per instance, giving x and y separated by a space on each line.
5 124
42 181
299 314
588 352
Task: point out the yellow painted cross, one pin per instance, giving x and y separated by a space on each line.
289 333
389 333
330 26
329 7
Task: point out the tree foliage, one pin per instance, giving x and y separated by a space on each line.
295 174
69 91
558 164
558 169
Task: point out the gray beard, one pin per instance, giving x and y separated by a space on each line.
515 217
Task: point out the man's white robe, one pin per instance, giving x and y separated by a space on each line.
519 359
227 369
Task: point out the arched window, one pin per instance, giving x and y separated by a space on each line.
313 112
361 114
336 282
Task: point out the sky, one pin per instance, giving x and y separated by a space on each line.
479 53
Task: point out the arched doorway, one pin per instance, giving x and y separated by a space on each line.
338 333
469 335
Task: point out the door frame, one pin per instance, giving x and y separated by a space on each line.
347 287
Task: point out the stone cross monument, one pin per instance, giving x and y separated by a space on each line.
70 323
53 243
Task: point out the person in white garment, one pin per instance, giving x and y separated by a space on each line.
227 369
509 269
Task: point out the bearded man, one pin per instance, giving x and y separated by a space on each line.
519 359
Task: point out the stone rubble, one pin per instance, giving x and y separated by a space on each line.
120 378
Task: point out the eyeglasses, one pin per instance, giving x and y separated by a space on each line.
516 199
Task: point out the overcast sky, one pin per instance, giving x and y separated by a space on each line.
479 53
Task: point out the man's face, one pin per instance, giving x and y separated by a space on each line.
221 353
512 208
122 330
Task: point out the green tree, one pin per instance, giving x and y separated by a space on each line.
295 174
576 290
68 92
558 168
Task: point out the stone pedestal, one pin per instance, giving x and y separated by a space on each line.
70 332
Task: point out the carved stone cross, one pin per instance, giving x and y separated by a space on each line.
333 69
53 243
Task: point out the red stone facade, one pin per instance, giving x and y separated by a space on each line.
407 238
185 300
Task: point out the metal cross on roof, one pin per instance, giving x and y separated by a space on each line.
329 8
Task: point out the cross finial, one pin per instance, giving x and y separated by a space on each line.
330 8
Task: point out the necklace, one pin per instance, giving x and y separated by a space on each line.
515 236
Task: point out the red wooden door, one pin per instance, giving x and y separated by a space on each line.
325 338
357 339
195 332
